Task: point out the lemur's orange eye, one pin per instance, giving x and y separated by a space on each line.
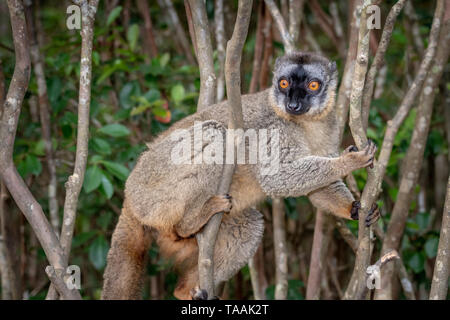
313 85
284 83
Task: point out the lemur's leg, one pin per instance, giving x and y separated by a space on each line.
304 175
195 219
126 259
338 200
239 236
335 199
237 241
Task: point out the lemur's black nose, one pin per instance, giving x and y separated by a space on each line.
294 107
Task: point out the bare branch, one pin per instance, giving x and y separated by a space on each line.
379 59
259 45
318 254
280 248
44 112
208 80
221 43
288 42
343 98
295 18
439 285
357 288
207 238
144 10
179 30
414 157
10 118
75 181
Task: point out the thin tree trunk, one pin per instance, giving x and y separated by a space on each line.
357 287
280 247
342 103
44 113
257 274
175 22
289 45
221 44
208 81
439 284
268 50
207 238
150 44
413 159
8 172
75 181
315 267
259 45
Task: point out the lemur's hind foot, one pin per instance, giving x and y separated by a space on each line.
372 216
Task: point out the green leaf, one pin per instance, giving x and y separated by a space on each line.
39 148
33 165
98 251
101 146
116 169
416 262
431 247
82 238
132 36
113 15
152 95
139 110
164 60
92 179
105 219
115 130
177 93
124 95
107 187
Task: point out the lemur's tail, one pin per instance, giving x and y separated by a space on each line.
123 277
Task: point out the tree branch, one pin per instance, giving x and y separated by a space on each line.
288 42
280 248
208 79
10 118
75 181
379 59
439 284
207 238
414 157
357 288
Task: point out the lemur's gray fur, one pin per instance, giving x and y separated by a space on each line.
171 202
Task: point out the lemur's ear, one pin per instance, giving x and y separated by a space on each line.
332 65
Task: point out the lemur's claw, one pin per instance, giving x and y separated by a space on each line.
354 211
372 216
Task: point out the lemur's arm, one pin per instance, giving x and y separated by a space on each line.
310 173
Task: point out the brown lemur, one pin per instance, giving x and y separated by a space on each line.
170 202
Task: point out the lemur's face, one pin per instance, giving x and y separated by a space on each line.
302 87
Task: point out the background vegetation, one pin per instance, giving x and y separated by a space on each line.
138 93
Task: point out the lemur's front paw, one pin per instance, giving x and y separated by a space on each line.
356 159
199 294
372 216
222 203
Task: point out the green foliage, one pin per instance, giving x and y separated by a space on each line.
293 290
